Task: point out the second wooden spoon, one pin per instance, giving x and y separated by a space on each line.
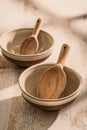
53 81
31 44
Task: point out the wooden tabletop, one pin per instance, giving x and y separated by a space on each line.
15 112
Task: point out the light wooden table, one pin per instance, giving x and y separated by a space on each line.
15 112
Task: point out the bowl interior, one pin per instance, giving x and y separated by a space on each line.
31 77
12 41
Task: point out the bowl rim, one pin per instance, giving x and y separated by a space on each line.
48 100
30 55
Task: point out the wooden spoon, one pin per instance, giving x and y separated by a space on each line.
53 81
31 44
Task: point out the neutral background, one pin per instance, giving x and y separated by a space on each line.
66 21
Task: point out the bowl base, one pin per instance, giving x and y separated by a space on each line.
25 63
50 108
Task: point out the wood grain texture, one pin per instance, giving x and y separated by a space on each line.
31 43
15 112
53 81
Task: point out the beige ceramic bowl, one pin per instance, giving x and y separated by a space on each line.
28 82
11 41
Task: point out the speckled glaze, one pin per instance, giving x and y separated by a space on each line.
28 83
10 43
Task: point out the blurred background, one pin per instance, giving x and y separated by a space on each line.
21 13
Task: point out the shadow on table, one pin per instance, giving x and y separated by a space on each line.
9 73
23 116
20 115
5 64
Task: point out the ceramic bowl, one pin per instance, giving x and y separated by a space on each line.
10 43
28 83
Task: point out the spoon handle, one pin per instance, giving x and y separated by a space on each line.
37 27
63 54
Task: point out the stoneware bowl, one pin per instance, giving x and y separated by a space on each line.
10 43
28 83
